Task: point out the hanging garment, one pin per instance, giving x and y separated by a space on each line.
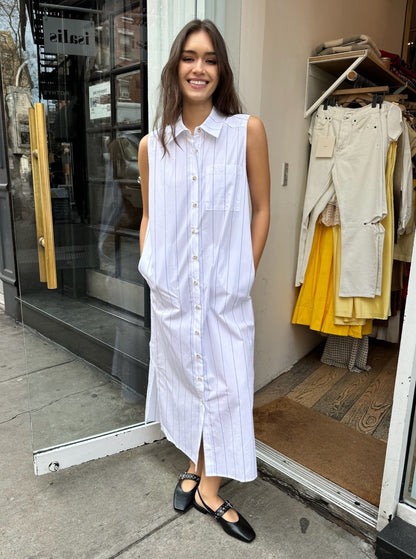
390 331
403 248
315 303
197 259
403 181
351 309
355 174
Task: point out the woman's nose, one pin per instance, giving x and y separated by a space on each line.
198 67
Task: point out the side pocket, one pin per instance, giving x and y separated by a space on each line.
145 266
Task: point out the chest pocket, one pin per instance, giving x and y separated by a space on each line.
222 189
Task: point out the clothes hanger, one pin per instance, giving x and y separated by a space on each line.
378 99
360 96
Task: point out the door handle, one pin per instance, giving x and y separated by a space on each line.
42 196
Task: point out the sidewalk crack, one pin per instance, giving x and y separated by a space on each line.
52 402
14 417
26 373
154 531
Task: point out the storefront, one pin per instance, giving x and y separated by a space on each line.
94 66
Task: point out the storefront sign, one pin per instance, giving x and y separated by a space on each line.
99 100
69 36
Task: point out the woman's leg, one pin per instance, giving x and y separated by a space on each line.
209 487
188 484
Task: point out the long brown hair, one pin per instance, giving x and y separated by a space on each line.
225 97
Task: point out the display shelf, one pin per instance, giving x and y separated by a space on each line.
323 69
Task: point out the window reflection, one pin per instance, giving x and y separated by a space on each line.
128 91
102 59
122 208
127 37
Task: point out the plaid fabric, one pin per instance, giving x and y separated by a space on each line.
346 352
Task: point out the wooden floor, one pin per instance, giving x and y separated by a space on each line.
361 400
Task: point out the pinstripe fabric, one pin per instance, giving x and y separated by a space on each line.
197 259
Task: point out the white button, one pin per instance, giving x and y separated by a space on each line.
197 307
198 356
196 333
195 282
200 379
194 178
193 231
194 205
195 257
199 130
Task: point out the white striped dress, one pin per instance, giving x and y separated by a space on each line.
197 259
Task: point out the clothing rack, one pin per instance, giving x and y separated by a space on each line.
364 96
359 90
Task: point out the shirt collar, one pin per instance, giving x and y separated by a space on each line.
212 125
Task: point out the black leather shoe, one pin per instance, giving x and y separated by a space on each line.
240 529
182 500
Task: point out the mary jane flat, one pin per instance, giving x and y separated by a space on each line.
240 529
183 500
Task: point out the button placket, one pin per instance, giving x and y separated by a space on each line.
198 365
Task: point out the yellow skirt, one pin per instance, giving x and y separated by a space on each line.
315 304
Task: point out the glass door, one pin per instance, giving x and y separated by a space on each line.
87 326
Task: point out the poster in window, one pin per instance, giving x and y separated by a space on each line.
100 100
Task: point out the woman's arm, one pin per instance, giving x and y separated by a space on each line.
144 181
258 173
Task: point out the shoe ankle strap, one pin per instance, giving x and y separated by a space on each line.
188 475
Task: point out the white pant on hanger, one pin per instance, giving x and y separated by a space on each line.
356 175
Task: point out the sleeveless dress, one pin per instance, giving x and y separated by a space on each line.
197 260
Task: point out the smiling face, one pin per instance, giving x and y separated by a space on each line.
198 70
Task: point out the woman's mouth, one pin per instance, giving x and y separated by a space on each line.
197 83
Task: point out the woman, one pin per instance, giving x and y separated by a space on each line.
199 251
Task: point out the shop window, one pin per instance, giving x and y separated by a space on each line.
116 119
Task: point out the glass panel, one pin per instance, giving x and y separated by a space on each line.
409 489
129 249
129 99
103 41
99 103
98 154
87 347
127 37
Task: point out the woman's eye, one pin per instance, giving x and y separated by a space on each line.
187 59
211 61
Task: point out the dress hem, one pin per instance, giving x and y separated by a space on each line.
213 473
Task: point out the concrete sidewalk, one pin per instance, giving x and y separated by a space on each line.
121 506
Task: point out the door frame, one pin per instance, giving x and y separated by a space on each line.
7 249
400 424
